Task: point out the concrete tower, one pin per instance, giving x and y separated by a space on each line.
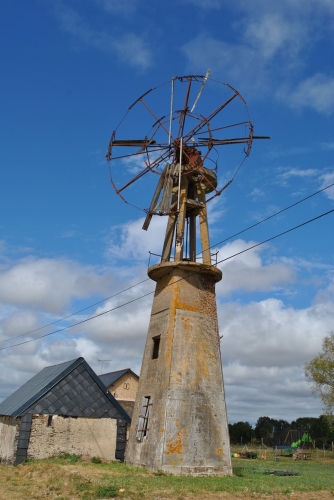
179 422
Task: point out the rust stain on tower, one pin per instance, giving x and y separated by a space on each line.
179 423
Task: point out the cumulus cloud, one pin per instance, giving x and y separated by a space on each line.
264 348
267 333
247 272
49 284
129 241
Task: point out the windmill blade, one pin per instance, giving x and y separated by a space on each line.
154 200
200 90
167 190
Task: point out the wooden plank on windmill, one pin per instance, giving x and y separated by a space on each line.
154 201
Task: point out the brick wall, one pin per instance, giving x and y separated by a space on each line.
81 436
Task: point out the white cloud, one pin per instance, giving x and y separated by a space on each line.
274 32
268 334
298 172
277 152
129 47
328 179
264 349
49 284
247 271
269 52
129 242
235 60
257 193
263 38
16 322
315 92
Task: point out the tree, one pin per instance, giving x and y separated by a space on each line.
264 429
241 431
320 372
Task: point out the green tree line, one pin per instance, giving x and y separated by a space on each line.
320 429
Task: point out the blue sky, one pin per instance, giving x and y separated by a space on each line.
70 70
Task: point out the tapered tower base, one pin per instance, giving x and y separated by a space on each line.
179 423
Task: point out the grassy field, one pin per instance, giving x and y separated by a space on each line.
70 478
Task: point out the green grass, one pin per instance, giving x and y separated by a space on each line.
82 480
73 458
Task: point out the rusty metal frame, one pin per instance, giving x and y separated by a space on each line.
169 150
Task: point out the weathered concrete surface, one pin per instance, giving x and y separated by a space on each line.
187 429
9 431
81 436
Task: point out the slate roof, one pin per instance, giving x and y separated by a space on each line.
69 389
110 378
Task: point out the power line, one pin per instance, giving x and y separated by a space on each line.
77 312
270 217
181 279
147 279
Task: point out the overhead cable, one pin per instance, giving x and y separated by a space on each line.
147 279
181 279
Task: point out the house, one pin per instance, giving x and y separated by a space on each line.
123 385
65 408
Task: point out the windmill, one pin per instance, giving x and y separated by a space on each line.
179 423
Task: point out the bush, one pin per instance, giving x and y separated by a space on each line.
96 460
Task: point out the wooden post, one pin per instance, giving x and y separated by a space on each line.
167 248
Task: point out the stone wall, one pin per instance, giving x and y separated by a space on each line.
9 429
80 436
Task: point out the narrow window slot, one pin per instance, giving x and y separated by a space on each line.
156 346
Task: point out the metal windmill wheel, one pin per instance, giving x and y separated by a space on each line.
179 117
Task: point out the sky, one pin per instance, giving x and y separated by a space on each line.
70 70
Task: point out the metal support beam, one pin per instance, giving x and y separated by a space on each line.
181 219
192 237
203 227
